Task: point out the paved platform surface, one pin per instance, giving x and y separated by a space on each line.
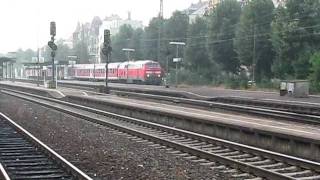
273 125
216 92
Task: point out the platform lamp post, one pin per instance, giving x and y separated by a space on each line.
38 67
94 57
128 51
13 57
177 59
53 47
106 52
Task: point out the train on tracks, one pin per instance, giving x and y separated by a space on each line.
142 71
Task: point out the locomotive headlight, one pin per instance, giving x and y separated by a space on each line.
148 75
159 75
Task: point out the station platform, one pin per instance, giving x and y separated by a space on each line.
293 128
212 92
288 137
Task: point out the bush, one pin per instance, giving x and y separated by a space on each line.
188 77
266 83
236 81
315 73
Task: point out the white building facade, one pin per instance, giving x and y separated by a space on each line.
113 23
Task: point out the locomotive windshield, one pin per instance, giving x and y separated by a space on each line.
153 65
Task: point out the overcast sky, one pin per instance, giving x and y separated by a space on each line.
25 23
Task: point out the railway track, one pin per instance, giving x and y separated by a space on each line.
297 113
266 112
22 156
307 113
241 161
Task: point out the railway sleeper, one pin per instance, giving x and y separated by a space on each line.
262 162
251 159
302 173
24 160
226 150
240 156
276 165
51 171
36 176
229 153
284 169
316 177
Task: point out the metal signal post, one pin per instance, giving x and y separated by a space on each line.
106 51
53 47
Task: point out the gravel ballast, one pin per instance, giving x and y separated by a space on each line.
99 151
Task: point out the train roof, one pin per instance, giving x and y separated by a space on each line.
139 62
113 65
144 61
91 66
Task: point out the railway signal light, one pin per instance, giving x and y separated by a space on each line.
106 50
107 36
52 45
52 28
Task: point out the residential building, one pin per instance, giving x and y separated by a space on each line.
202 8
114 22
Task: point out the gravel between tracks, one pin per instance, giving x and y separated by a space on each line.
96 150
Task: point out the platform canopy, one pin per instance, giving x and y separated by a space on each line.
47 63
7 59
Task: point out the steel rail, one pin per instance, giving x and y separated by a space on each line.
51 154
246 167
3 173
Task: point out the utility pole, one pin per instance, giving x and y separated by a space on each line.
38 67
254 55
160 29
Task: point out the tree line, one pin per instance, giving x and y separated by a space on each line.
235 41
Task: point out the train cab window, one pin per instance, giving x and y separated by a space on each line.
152 65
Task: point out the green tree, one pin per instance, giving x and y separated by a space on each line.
315 71
63 51
81 50
295 38
137 44
253 35
196 56
223 20
150 39
175 29
25 56
121 40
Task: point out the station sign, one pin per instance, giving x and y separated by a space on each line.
35 59
177 60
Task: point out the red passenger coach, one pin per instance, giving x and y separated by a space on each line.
93 71
143 71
